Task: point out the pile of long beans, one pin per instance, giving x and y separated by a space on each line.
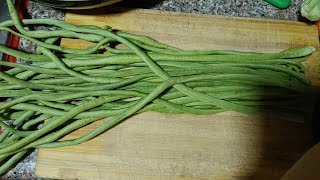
71 88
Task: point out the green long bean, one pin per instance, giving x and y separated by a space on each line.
11 161
70 88
89 50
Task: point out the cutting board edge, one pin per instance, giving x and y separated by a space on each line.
121 9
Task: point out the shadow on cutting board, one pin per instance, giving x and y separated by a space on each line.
284 143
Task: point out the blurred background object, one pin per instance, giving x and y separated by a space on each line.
282 4
78 4
311 9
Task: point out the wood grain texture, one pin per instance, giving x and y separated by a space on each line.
157 146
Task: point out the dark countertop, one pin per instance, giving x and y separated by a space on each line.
238 8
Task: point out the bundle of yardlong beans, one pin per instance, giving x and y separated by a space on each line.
71 88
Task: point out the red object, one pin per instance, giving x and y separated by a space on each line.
12 40
318 25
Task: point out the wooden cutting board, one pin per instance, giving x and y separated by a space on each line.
156 146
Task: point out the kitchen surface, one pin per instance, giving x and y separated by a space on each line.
230 8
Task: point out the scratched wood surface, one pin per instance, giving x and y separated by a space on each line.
156 146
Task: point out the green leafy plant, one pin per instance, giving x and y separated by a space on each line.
311 9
